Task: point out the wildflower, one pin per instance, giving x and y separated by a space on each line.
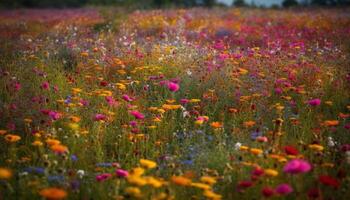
138 171
283 189
180 180
201 186
256 151
58 148
267 192
53 193
148 163
45 85
173 86
3 132
136 180
55 115
208 180
330 123
316 147
328 180
12 138
137 114
100 117
37 143
121 173
297 166
133 191
290 150
211 195
314 102
103 177
127 98
5 173
153 182
245 184
248 124
216 124
271 172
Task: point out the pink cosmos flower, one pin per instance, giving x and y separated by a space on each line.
99 117
284 189
314 102
55 115
121 173
45 85
297 166
127 98
137 114
103 177
110 100
173 86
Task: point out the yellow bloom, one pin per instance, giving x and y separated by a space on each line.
37 143
136 180
201 186
5 173
316 147
270 172
256 151
153 182
138 171
211 195
148 163
243 148
133 191
208 180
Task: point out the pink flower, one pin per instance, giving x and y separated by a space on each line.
284 189
297 166
99 117
184 101
173 86
121 173
103 177
17 86
110 100
137 114
55 115
278 90
127 98
314 102
45 85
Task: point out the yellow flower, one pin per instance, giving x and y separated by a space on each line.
195 100
73 126
180 180
243 148
53 193
270 172
208 180
133 191
52 142
201 186
316 147
148 163
12 138
138 171
5 173
211 195
136 180
37 143
153 182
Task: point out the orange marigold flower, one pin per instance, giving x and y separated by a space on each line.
58 148
12 138
5 173
53 193
180 180
331 122
216 125
248 124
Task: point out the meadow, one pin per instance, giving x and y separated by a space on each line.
223 103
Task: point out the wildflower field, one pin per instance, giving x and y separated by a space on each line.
106 103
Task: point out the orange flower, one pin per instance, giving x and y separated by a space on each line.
180 180
12 138
248 124
331 122
53 193
58 148
5 173
3 132
216 125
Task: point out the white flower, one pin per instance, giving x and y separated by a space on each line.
238 145
80 173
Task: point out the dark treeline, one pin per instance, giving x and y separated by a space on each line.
155 3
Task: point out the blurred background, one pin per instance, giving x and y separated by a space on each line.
149 4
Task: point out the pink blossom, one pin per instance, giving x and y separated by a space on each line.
55 115
314 102
17 86
297 166
99 117
103 177
284 189
137 114
110 100
173 86
127 98
45 85
121 173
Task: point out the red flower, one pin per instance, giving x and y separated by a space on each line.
313 193
328 180
290 150
245 184
267 191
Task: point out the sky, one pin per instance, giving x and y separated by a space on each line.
257 2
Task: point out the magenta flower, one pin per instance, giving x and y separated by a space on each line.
99 117
297 166
17 86
127 98
55 115
137 114
314 102
283 189
45 85
121 173
110 100
173 86
103 177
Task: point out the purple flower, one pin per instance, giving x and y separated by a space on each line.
284 189
314 102
297 166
